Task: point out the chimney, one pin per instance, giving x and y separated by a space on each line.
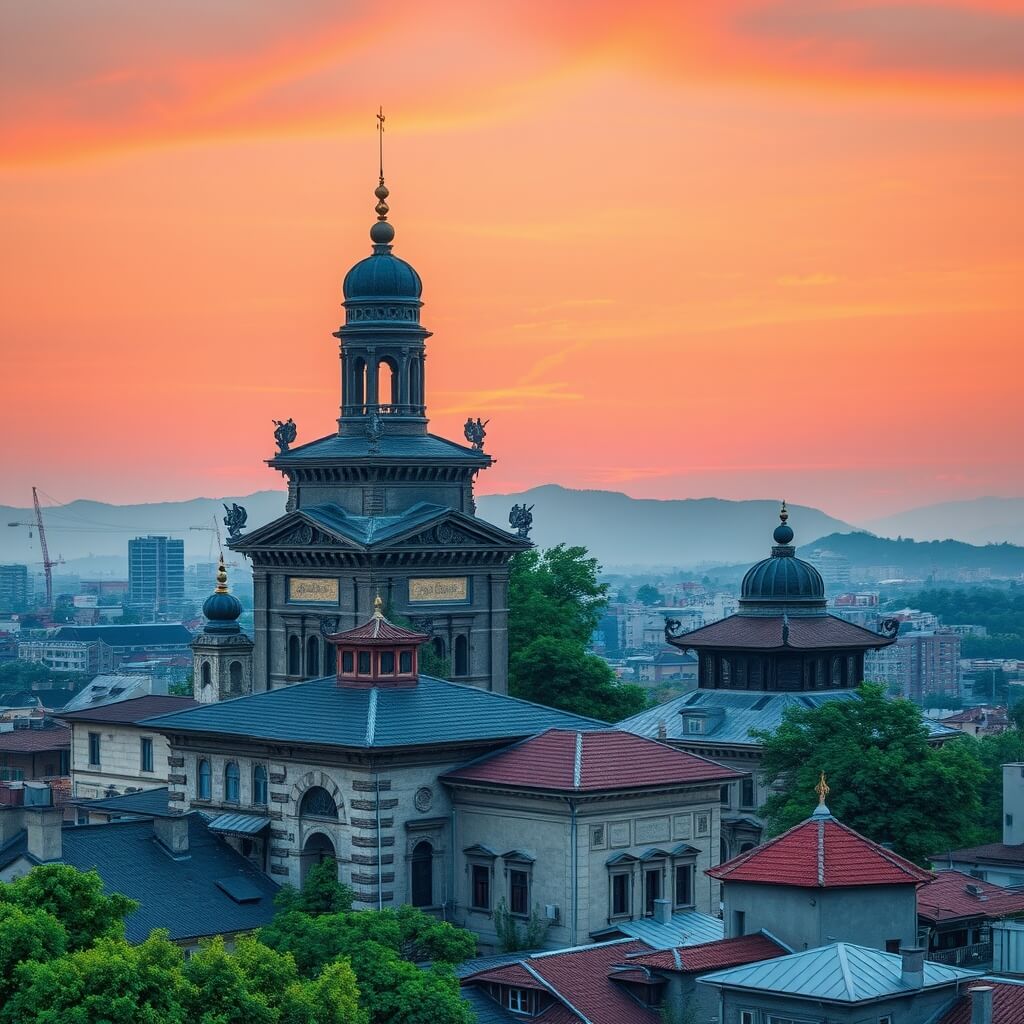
172 833
662 730
912 973
981 1004
42 830
662 911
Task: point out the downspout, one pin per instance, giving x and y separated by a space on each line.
380 865
573 871
451 872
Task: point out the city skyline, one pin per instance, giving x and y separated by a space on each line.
676 254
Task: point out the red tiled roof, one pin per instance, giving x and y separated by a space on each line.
510 974
712 956
128 712
562 759
948 898
579 978
990 853
1007 1004
764 633
379 631
27 741
821 853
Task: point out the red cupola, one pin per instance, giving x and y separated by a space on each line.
378 653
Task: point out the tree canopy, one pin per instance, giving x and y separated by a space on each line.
555 603
887 781
649 595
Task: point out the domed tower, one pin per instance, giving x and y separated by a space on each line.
221 653
782 637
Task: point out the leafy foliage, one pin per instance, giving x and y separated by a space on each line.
649 595
887 781
321 892
511 936
555 603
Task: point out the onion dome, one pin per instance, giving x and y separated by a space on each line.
222 608
783 582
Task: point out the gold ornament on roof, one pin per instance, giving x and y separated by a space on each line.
222 577
822 789
784 512
378 607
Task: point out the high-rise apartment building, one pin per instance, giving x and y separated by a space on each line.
156 575
921 664
13 588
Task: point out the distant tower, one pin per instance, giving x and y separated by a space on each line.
221 653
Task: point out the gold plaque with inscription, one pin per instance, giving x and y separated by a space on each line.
319 591
441 588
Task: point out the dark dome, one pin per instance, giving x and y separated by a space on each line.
222 607
382 276
783 578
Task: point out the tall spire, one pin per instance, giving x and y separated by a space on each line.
382 233
222 576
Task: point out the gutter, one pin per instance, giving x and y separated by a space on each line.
573 872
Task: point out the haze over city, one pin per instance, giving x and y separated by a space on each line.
675 250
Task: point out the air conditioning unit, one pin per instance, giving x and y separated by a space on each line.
551 912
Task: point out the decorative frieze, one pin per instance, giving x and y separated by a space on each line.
370 842
175 761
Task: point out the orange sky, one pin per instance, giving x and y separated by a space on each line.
745 249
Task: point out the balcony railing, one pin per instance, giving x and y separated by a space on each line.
978 953
383 409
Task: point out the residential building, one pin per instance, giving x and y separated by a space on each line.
979 721
920 664
113 753
132 642
108 689
156 575
34 748
14 588
834 568
64 654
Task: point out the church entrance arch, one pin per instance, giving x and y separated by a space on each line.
315 850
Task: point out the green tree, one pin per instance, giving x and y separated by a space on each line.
75 898
321 892
430 663
887 781
649 595
555 604
26 934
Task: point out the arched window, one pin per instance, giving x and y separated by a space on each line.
413 391
313 656
438 643
294 656
837 672
330 659
231 782
317 803
358 383
235 676
206 674
203 788
461 656
387 382
259 784
422 875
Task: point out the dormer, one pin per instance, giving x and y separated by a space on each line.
698 721
378 653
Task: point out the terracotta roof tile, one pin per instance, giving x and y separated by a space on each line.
712 956
948 897
821 853
764 633
565 760
1007 1004
378 630
27 741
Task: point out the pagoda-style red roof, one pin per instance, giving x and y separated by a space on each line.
605 759
776 632
378 630
952 896
712 956
821 853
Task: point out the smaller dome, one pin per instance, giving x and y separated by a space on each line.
382 276
222 608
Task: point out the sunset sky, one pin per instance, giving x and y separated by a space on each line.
678 249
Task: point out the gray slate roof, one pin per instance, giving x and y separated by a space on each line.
149 801
323 713
403 447
684 928
742 710
158 634
180 895
841 973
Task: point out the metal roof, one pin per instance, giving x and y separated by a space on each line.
323 713
741 711
685 928
238 824
426 447
147 802
839 973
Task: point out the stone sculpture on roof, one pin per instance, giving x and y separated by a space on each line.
285 433
235 520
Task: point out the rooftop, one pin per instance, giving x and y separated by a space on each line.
48 736
820 853
776 632
1007 1003
990 853
712 956
596 760
397 447
159 634
323 713
952 896
145 803
684 928
838 973
131 711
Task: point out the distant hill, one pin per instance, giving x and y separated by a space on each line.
624 532
921 559
978 521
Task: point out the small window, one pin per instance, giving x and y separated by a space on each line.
747 1017
684 885
461 656
205 675
231 782
387 663
259 784
739 924
364 663
203 787
620 894
694 725
892 945
519 892
885 1019
146 754
94 748
348 662
518 1000
481 885
747 797
294 656
405 662
652 889
723 795
1009 820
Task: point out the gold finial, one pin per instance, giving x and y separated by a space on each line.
381 191
822 789
222 576
378 607
783 512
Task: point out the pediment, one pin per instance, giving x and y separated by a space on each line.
452 529
295 530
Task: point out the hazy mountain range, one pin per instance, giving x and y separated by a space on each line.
621 531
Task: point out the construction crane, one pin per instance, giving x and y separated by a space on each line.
47 563
215 529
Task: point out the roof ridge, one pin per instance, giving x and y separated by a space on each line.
844 966
895 859
577 767
821 851
371 717
554 991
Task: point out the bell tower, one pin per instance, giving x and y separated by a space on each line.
221 653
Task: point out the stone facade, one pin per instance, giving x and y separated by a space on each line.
121 759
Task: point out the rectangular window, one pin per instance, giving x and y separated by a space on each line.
1009 819
723 795
684 885
405 662
94 748
620 894
519 892
364 663
481 884
747 793
146 754
747 1016
518 1000
885 1019
652 890
348 662
694 725
739 924
892 945
387 663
